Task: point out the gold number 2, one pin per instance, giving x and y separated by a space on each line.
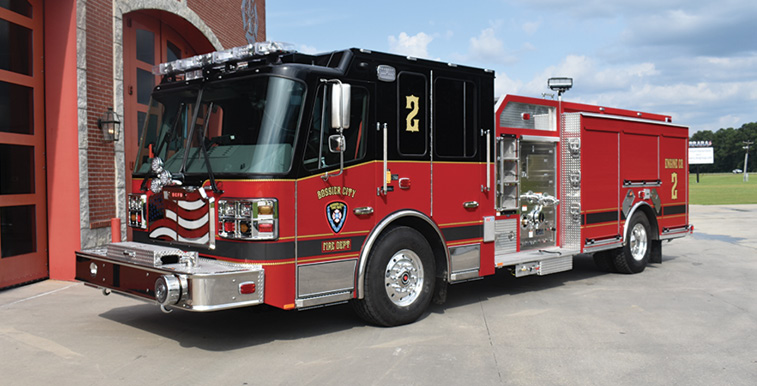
674 191
412 104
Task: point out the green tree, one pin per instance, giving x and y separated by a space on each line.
728 148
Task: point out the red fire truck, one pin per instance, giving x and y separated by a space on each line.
268 176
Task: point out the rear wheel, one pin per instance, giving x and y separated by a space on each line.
399 278
634 256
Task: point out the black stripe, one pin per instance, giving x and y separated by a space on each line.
675 209
600 217
239 250
309 248
258 250
462 233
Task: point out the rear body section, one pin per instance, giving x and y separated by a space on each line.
628 165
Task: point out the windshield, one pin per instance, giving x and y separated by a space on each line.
245 125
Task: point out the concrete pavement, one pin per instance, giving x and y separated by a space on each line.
689 321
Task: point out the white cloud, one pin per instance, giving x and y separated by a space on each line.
488 48
306 49
530 27
730 121
504 85
416 45
590 77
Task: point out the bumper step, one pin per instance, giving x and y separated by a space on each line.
171 277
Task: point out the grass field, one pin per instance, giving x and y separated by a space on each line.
722 189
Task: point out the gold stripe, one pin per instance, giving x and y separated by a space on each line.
462 223
320 258
599 225
335 170
457 162
272 264
465 242
333 234
329 258
601 210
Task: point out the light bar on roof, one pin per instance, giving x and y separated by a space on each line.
220 57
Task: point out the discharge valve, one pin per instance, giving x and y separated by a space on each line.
535 218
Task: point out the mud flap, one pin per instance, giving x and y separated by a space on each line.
656 257
440 292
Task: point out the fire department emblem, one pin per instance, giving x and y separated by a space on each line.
336 213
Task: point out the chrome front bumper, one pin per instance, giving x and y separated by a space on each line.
171 277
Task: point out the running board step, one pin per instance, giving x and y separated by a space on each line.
544 267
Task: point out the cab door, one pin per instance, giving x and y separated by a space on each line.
334 209
403 147
459 171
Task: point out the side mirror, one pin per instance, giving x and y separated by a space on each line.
337 143
340 106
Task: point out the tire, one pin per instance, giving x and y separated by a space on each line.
605 261
399 279
634 256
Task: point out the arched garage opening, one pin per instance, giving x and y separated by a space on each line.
150 37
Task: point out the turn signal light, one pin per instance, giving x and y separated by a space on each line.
248 219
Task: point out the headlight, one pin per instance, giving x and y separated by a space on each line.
248 219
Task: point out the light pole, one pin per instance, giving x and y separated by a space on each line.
746 159
560 85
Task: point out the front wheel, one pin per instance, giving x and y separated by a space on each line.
399 278
634 256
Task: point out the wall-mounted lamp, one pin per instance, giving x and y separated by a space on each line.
110 125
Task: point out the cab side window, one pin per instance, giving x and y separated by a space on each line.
455 107
317 154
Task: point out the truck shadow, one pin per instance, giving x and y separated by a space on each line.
246 327
236 328
503 283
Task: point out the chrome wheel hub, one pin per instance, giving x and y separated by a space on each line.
638 243
403 278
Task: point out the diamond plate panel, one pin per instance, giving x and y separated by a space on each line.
570 181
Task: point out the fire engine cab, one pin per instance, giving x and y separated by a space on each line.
268 176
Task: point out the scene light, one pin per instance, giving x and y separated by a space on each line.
560 85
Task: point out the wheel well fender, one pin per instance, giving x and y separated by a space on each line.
413 219
649 212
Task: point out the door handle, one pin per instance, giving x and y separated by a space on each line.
470 204
363 211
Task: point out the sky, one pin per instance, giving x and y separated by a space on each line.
694 60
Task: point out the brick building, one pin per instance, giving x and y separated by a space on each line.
63 65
